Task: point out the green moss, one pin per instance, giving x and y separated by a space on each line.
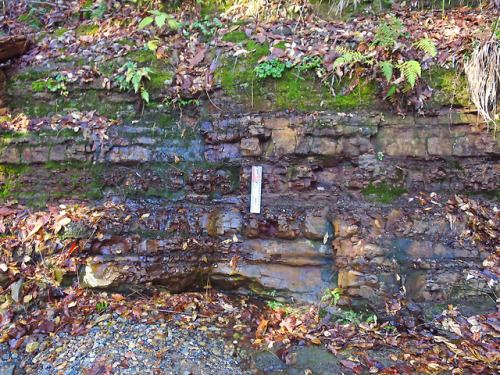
14 169
43 85
300 90
141 56
384 192
236 76
6 189
126 42
55 166
11 172
31 75
236 36
281 45
61 31
158 80
450 87
87 29
305 92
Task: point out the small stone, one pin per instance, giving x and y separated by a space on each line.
8 370
32 346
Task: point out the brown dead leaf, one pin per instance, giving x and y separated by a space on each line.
198 58
117 297
261 329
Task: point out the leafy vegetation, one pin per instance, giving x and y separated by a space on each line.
130 76
272 68
161 19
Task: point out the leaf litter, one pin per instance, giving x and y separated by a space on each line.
36 305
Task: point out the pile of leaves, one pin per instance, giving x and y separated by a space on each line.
90 124
452 343
37 255
392 50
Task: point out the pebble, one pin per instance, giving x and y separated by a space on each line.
128 348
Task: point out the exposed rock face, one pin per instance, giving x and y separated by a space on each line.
319 227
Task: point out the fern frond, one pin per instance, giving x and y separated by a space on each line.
358 35
145 95
390 93
350 57
343 50
387 34
426 45
386 67
411 71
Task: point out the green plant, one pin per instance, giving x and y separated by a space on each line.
94 9
356 318
33 18
273 68
332 296
426 45
130 76
160 19
274 304
207 26
58 83
185 103
387 33
410 70
100 306
380 156
349 57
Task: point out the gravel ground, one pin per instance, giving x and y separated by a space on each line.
123 347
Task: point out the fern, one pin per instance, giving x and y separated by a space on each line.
387 34
99 11
390 93
145 95
411 71
426 45
348 57
386 67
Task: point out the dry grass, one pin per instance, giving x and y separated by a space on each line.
483 74
268 9
339 5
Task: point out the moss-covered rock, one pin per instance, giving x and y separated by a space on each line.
449 85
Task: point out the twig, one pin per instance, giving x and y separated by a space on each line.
208 95
136 291
47 3
183 313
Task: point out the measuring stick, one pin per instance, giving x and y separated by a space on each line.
256 190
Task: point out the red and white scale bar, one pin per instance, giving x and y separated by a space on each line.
255 196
